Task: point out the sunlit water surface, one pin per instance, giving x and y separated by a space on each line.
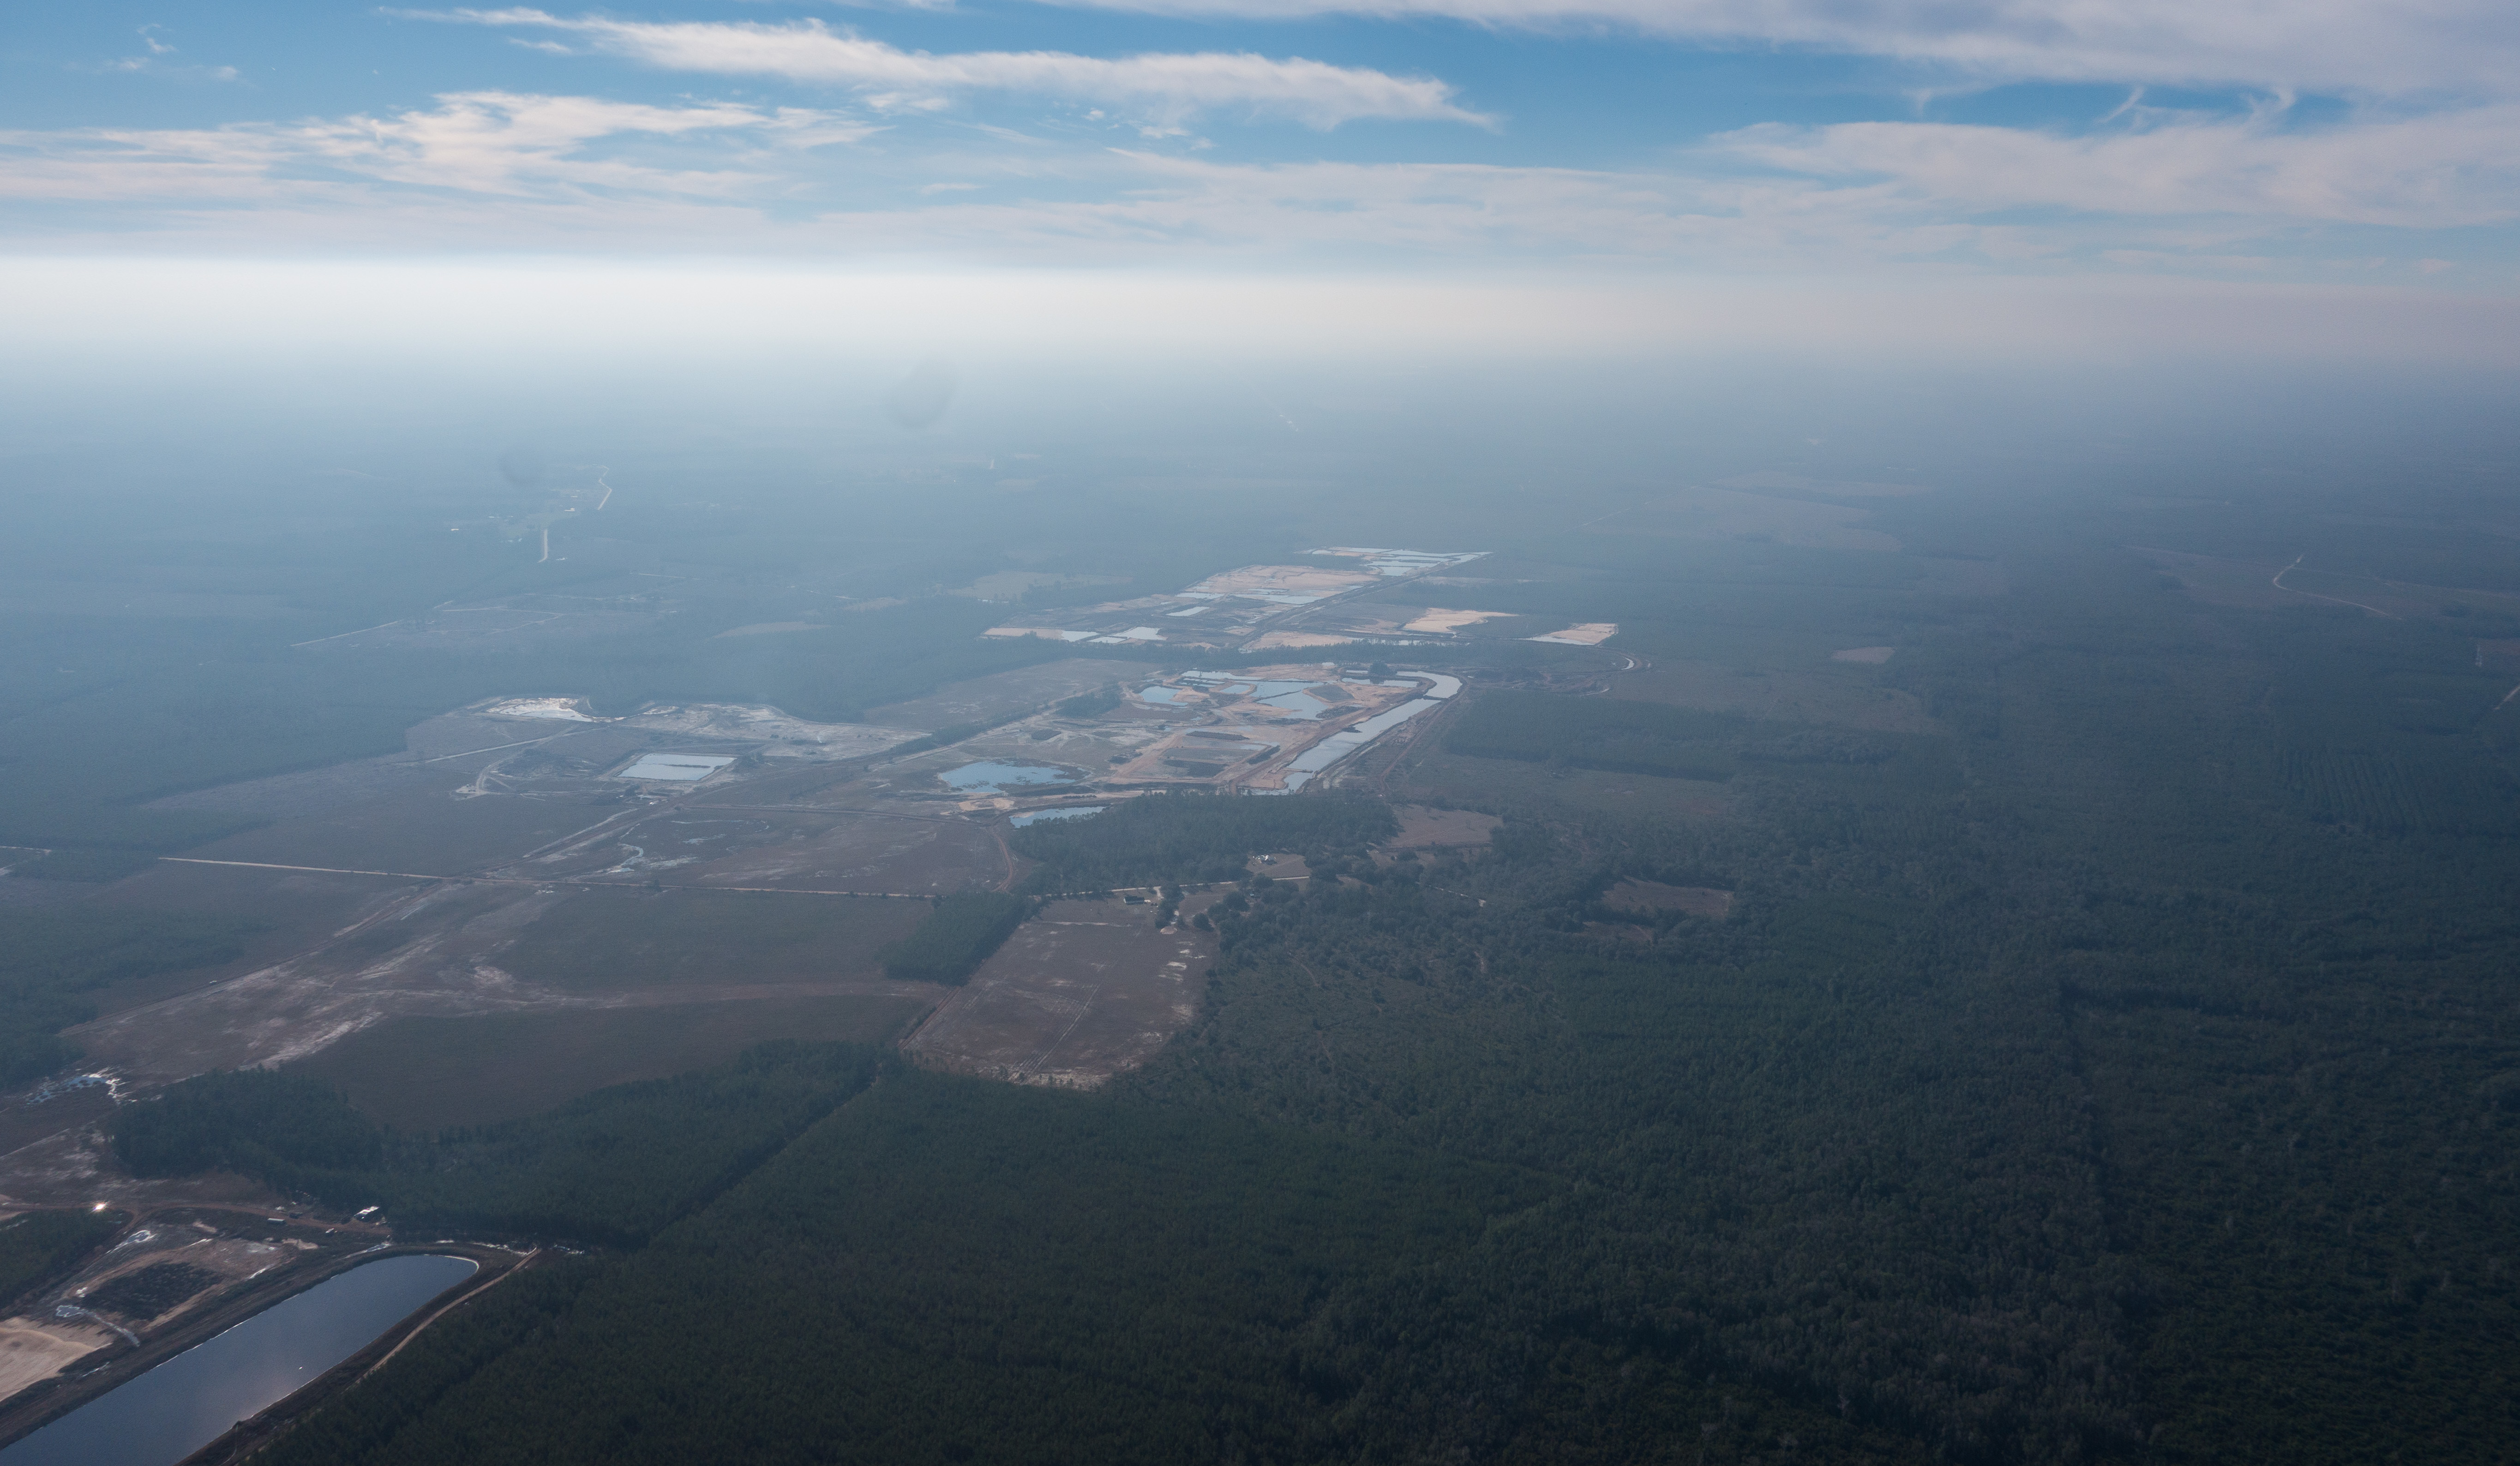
190 1400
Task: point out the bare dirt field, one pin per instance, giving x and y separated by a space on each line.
1426 828
789 849
422 832
1437 621
1283 580
430 950
599 940
424 1074
1653 896
438 950
299 910
1083 991
1289 640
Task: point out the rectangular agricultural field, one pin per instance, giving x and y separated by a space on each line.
637 939
424 1074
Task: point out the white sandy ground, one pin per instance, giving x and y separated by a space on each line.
1590 634
1439 620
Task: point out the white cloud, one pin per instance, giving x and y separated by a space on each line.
509 171
2441 170
1168 86
2402 46
519 146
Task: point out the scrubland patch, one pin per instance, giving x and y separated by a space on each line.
1648 896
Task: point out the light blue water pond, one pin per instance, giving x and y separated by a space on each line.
190 1400
1038 816
1158 694
992 779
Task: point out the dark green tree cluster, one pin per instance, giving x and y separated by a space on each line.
36 1247
256 1121
51 957
1632 737
956 937
608 1168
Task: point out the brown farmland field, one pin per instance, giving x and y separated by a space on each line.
424 832
793 849
631 939
424 1074
1644 896
1083 991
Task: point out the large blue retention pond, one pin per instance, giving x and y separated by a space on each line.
190 1401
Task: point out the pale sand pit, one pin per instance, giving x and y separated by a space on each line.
32 1351
1874 655
1590 634
1441 622
1280 640
1288 580
547 709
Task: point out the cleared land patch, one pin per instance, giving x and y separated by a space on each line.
1437 621
636 938
1426 828
791 849
1085 989
1648 896
425 1074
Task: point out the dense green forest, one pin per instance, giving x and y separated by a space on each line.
1189 837
2120 1064
955 937
606 1169
257 1122
50 959
36 1247
2087 1082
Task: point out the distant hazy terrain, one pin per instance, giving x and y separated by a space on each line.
1892 928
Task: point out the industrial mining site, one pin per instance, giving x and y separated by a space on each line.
535 899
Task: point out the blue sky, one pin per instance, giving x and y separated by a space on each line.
2309 144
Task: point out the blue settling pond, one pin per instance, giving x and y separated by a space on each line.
1038 816
1160 694
991 779
190 1400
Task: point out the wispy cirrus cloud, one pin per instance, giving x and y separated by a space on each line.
498 144
2390 46
1168 86
2439 170
517 171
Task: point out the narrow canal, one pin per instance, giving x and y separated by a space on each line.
190 1400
